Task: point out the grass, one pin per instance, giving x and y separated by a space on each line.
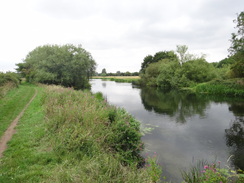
74 136
232 87
119 79
12 104
205 172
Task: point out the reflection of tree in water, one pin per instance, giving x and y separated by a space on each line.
104 84
174 103
235 135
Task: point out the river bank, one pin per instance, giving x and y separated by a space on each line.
181 127
229 87
74 136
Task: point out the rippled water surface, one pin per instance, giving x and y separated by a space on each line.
185 127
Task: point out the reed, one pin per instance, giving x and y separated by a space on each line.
233 88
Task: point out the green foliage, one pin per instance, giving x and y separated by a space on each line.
126 136
8 81
231 87
114 129
65 65
169 74
237 68
104 73
153 168
237 48
12 104
237 39
198 71
150 76
157 57
211 173
167 77
65 136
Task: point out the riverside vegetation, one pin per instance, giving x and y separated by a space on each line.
119 79
74 136
180 69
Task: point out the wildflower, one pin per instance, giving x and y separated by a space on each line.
205 167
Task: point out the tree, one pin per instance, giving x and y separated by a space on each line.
65 65
236 49
156 58
181 50
237 39
146 61
104 72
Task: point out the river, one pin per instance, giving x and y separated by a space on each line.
182 128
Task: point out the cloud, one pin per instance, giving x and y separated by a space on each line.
119 34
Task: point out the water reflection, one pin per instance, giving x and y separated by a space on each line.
188 126
235 136
104 84
180 105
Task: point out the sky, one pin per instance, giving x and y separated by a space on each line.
117 33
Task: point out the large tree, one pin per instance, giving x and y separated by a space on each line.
67 65
236 49
237 39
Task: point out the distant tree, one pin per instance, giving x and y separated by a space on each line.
104 72
127 73
67 65
118 73
135 74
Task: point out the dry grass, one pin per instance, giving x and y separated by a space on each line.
117 77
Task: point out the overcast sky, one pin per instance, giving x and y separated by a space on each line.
117 33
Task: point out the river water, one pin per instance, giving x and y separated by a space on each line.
182 128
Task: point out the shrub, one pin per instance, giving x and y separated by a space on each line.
8 81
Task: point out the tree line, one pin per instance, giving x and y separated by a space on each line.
179 68
118 73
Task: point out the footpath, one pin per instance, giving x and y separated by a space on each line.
11 129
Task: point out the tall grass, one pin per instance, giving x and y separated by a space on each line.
205 172
234 87
74 136
87 124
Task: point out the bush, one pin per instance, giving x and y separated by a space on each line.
99 122
8 81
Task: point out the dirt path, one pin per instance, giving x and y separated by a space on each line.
10 131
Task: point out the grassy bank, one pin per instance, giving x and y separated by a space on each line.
119 79
231 87
74 136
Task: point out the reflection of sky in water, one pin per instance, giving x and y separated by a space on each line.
177 144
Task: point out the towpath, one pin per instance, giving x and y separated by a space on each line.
11 129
